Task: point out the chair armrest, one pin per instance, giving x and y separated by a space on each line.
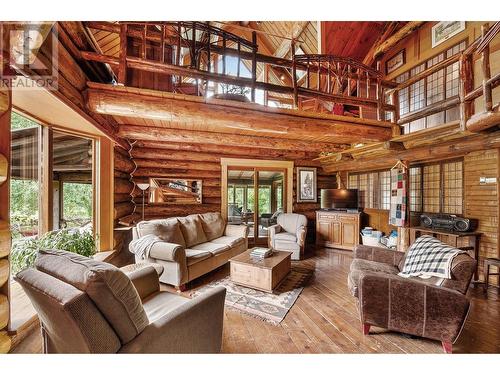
145 280
301 235
379 254
273 229
167 251
194 327
236 231
411 306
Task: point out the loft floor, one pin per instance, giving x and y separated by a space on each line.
325 320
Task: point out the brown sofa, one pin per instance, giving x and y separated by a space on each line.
86 306
434 308
191 246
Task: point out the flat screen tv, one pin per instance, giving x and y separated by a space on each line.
339 198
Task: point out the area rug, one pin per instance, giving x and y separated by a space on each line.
269 307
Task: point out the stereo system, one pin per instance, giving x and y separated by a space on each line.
448 222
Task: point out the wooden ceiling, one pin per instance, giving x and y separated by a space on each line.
350 38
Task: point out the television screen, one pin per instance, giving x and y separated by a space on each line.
339 198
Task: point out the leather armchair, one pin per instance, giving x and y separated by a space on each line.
289 234
87 306
434 308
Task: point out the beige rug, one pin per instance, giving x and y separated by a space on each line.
269 307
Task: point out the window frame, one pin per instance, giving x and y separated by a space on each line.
441 163
427 63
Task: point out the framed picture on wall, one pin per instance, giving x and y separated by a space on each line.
306 184
395 62
444 30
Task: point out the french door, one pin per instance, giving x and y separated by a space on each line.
255 197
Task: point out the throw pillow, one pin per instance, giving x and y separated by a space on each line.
192 230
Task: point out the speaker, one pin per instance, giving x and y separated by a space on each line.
448 222
426 221
463 225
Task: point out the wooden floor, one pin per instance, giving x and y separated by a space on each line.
325 320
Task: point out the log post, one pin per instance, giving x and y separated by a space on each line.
144 41
294 77
485 66
223 54
396 129
254 63
122 68
380 96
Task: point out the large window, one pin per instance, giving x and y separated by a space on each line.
437 188
374 189
437 87
433 188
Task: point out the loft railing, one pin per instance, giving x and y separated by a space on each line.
467 92
196 53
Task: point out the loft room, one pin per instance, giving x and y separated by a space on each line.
265 187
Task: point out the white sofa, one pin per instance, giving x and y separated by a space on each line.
191 246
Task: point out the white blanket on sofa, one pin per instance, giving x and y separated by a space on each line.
142 246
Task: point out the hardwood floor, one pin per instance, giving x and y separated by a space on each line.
325 320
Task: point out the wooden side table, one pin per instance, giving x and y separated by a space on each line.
488 262
468 241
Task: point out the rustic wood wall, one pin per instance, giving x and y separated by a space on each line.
165 159
481 201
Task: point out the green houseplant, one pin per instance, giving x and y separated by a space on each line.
24 251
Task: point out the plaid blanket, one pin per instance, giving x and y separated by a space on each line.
429 257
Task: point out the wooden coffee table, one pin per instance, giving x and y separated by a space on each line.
262 274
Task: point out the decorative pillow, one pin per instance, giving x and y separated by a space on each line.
167 230
192 230
109 288
213 225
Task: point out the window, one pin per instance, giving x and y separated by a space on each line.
437 188
435 88
374 189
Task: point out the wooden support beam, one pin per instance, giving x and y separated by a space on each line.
485 67
227 117
402 33
199 137
393 145
46 195
442 150
484 120
343 157
122 67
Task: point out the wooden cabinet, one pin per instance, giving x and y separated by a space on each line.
337 229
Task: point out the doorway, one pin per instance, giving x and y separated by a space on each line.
255 196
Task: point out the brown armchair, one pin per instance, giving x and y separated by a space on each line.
434 308
87 306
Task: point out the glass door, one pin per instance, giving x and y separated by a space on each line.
241 198
270 201
255 197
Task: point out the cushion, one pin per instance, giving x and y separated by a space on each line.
160 304
213 248
168 230
284 236
213 225
228 240
109 288
358 266
195 256
192 230
291 222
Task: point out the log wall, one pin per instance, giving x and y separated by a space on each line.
481 201
169 160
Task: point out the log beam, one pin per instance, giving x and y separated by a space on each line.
395 146
402 33
449 149
146 133
227 117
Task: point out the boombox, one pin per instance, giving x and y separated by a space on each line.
448 222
